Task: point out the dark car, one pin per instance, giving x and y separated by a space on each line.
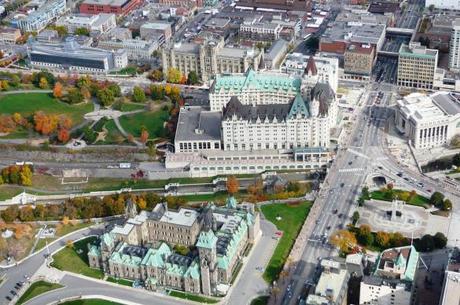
350 163
13 292
342 184
335 211
8 298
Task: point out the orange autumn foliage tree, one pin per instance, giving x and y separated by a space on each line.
57 90
232 185
63 135
144 135
47 124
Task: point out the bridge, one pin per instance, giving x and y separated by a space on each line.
400 31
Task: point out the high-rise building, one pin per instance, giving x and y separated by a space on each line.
417 66
454 46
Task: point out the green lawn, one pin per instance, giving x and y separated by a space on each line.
418 200
262 300
69 260
292 218
8 191
36 289
62 230
153 121
120 281
90 302
125 107
27 103
191 297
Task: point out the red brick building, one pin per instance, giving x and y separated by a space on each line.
118 7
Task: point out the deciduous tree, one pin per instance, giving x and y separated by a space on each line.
382 239
63 135
232 185
57 90
43 84
138 95
344 240
144 135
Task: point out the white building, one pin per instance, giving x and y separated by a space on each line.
304 122
39 19
325 69
429 121
451 288
377 291
101 23
135 48
443 4
454 47
332 285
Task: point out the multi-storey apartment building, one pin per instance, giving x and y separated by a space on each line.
44 15
210 58
143 248
359 60
454 46
429 121
417 66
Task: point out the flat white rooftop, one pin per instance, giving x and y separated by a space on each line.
183 217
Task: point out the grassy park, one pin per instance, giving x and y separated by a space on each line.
292 219
36 289
192 297
28 103
417 200
153 121
62 230
74 258
120 281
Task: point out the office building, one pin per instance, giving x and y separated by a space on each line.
443 4
391 281
332 285
180 3
101 23
143 249
416 66
71 56
210 58
117 7
358 61
152 30
275 54
451 286
9 35
339 35
260 31
44 15
454 46
428 121
277 5
136 49
321 68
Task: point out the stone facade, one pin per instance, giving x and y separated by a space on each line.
143 248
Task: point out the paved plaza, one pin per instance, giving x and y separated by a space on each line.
413 220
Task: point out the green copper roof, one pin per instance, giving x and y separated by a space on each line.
157 257
107 239
400 261
298 107
94 251
259 81
236 236
249 218
231 202
193 270
411 268
125 259
207 240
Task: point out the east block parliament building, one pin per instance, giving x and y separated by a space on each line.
143 249
259 121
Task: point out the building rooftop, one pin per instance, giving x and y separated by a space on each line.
237 52
401 260
197 124
277 47
186 48
360 48
183 217
451 290
106 2
331 281
68 48
430 108
381 7
156 25
217 22
357 32
449 103
417 50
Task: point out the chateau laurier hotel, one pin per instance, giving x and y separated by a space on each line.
212 242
